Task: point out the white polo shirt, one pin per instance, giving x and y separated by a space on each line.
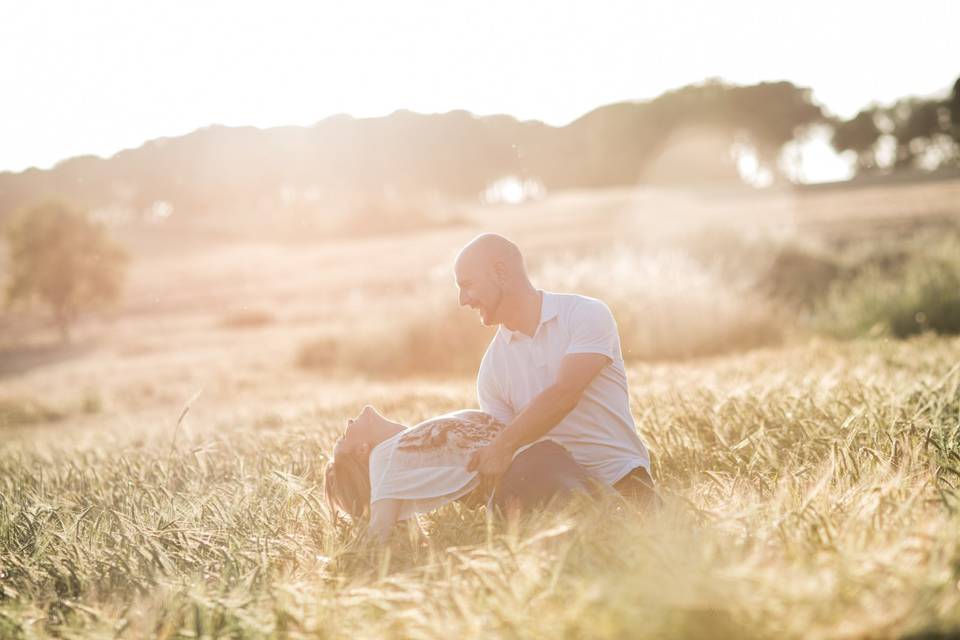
599 433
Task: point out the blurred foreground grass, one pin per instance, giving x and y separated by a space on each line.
810 492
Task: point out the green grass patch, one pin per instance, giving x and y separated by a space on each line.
922 294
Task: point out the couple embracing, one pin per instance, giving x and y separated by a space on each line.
554 412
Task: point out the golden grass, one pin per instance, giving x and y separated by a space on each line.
809 493
810 485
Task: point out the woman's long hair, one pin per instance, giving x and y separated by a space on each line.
346 484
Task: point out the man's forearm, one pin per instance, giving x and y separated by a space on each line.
540 416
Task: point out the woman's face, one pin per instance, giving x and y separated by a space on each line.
358 436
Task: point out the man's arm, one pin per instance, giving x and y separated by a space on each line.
543 413
490 393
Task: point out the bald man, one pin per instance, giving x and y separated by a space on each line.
554 374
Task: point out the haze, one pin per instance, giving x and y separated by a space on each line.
97 77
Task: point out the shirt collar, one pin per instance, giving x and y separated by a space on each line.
549 308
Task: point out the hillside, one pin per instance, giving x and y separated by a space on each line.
339 160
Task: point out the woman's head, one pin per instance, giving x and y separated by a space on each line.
346 484
347 476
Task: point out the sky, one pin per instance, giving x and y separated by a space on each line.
95 77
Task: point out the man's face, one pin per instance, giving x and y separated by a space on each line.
479 291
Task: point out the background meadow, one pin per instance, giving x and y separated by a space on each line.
793 371
225 227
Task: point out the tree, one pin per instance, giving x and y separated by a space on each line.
620 141
953 120
916 124
66 260
772 114
954 105
920 129
859 134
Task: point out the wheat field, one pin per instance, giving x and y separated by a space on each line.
162 476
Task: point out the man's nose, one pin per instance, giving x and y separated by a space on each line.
462 298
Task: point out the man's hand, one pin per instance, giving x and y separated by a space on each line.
543 413
491 462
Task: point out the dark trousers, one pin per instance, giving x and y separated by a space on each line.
637 486
537 474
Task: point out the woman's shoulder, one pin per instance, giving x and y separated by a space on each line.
466 429
462 417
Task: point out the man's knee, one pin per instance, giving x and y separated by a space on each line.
538 474
638 487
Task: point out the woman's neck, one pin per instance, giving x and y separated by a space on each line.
384 430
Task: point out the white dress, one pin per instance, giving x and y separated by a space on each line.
426 466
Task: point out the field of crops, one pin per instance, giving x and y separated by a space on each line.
810 466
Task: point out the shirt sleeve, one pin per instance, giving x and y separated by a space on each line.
490 392
593 330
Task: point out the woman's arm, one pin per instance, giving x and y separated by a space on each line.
383 515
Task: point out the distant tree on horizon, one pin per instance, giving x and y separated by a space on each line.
954 108
917 126
859 135
616 144
924 133
246 174
61 257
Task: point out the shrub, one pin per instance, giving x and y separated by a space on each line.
923 296
800 276
92 403
319 353
15 412
247 319
427 337
668 305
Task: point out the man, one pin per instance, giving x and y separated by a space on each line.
554 368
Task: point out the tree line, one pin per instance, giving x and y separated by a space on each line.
920 133
59 255
221 169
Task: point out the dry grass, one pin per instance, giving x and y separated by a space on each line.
20 411
667 305
428 335
810 493
810 485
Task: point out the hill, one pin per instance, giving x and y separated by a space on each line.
408 155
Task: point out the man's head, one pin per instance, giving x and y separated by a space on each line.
490 273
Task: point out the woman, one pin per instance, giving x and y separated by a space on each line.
393 472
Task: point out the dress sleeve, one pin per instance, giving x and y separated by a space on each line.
593 330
